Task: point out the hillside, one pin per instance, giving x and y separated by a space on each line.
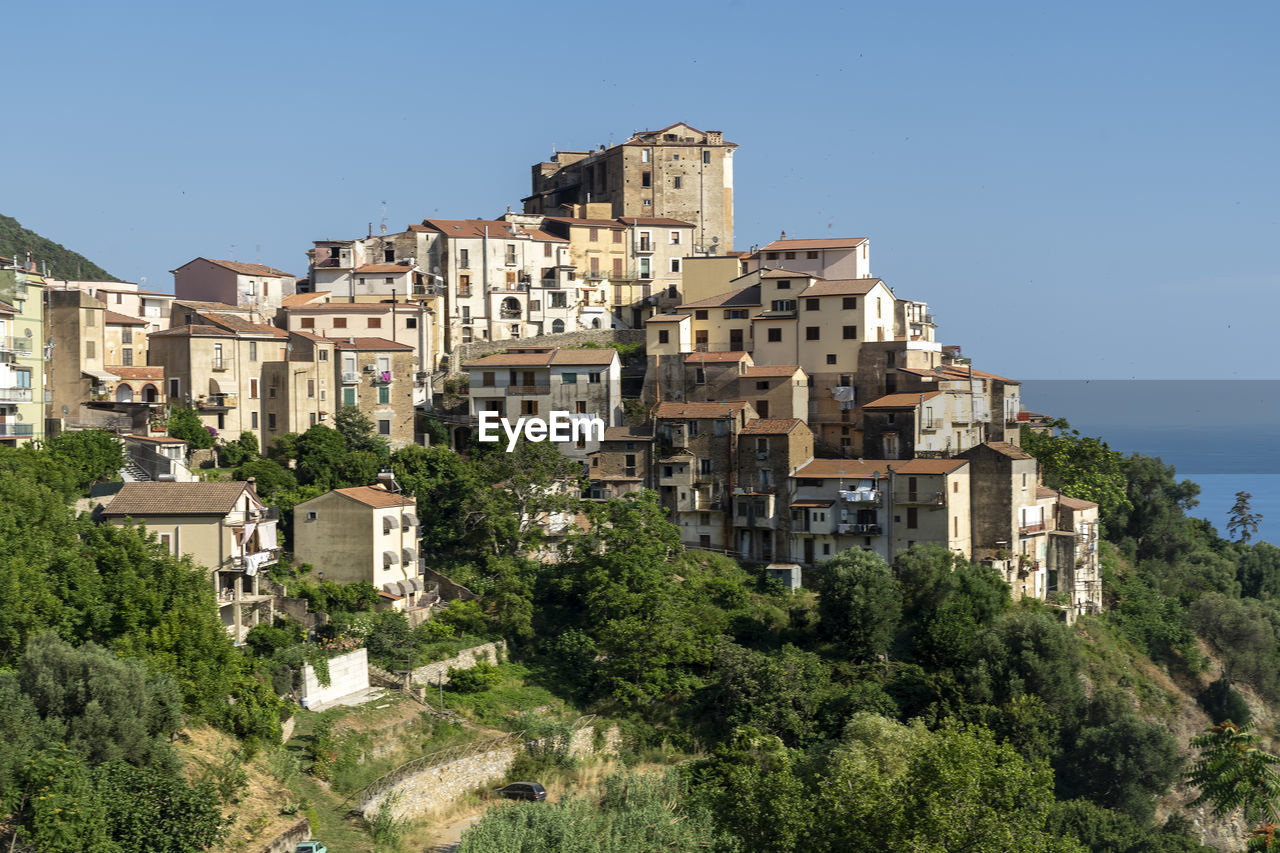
16 241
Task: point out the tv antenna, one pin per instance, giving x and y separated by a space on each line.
384 217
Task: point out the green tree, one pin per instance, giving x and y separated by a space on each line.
1233 772
1080 467
358 431
240 451
270 477
947 604
1243 521
860 605
94 455
320 451
185 424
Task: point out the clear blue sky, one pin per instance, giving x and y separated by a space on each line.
1080 190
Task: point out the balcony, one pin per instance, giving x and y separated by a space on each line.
550 281
10 430
15 395
508 314
595 275
527 390
237 519
464 291
350 378
9 343
921 498
214 402
220 364
644 246
331 263
1030 529
381 377
255 560
858 529
860 496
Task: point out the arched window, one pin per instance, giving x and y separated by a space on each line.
557 326
124 394
511 304
149 393
595 324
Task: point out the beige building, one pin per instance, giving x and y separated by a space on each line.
123 297
829 258
364 533
214 362
77 364
677 172
1074 572
252 287
298 391
223 527
125 340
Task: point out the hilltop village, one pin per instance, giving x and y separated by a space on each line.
784 402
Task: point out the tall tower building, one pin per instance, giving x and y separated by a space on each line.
678 172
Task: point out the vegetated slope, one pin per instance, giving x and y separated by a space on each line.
16 241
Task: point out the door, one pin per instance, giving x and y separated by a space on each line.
808 550
890 445
735 340
700 340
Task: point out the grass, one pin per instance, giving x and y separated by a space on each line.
505 705
1112 658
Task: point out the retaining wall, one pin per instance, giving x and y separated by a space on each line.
438 672
347 674
290 838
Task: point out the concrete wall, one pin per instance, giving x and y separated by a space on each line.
347 674
435 673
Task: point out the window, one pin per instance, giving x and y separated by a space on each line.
339 322
700 315
617 236
812 333
528 407
646 179
693 429
735 314
166 539
675 265
913 518
546 250
271 420
664 337
174 389
675 156
348 396
645 271
704 541
253 420
311 389
699 376
511 254
775 336
568 379
645 154
253 389
384 427
126 356
324 354
784 305
955 487
785 284
677 183
91 349
849 302
384 364
373 323
126 335
464 259
384 395
580 407
706 157
1024 481
831 358
466 313
704 466
91 318
762 386
593 378
771 256
559 300
850 333
813 256
312 515
411 322
593 235
675 238
812 304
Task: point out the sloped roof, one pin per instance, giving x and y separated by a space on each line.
841 287
928 466
368 344
667 318
807 245
844 469
474 228
771 426
375 497
1004 448
774 371
242 268
586 357
115 319
195 330
144 499
153 372
628 433
240 325
714 357
295 299
724 409
513 359
743 297
383 269
901 401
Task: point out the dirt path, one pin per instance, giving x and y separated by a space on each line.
447 839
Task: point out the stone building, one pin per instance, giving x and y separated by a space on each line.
677 172
123 297
769 451
623 464
77 365
377 376
1010 520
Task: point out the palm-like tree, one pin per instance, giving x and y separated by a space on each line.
1233 772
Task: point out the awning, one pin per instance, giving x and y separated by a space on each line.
811 504
405 587
101 375
389 558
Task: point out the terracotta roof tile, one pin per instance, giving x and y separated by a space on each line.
474 229
628 433
844 469
115 319
242 268
744 297
148 499
1076 503
1004 448
139 372
503 359
841 287
774 371
368 344
586 357
900 401
806 245
196 330
812 504
928 466
375 497
383 269
668 318
723 409
777 273
242 326
205 306
295 299
655 220
156 439
771 426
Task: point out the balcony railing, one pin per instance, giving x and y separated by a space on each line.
1028 529
382 377
860 496
350 377
464 291
595 275
270 513
508 314
219 364
859 528
331 263
265 558
218 401
549 281
9 343
8 430
522 390
15 395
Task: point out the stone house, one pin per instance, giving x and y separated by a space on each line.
379 377
769 451
623 464
77 366
223 527
1010 520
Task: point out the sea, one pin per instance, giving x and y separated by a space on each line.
1222 435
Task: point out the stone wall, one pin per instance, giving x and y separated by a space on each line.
347 674
478 349
438 672
440 784
290 838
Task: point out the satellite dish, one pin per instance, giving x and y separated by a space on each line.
27 331
66 410
715 239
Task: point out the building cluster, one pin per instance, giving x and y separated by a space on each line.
789 404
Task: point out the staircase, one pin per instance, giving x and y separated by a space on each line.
131 473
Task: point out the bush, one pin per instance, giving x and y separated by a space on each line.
478 678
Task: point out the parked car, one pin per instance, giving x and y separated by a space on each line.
523 791
311 847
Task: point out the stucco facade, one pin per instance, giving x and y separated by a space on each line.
254 287
22 356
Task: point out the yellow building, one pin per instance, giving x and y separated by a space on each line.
22 356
